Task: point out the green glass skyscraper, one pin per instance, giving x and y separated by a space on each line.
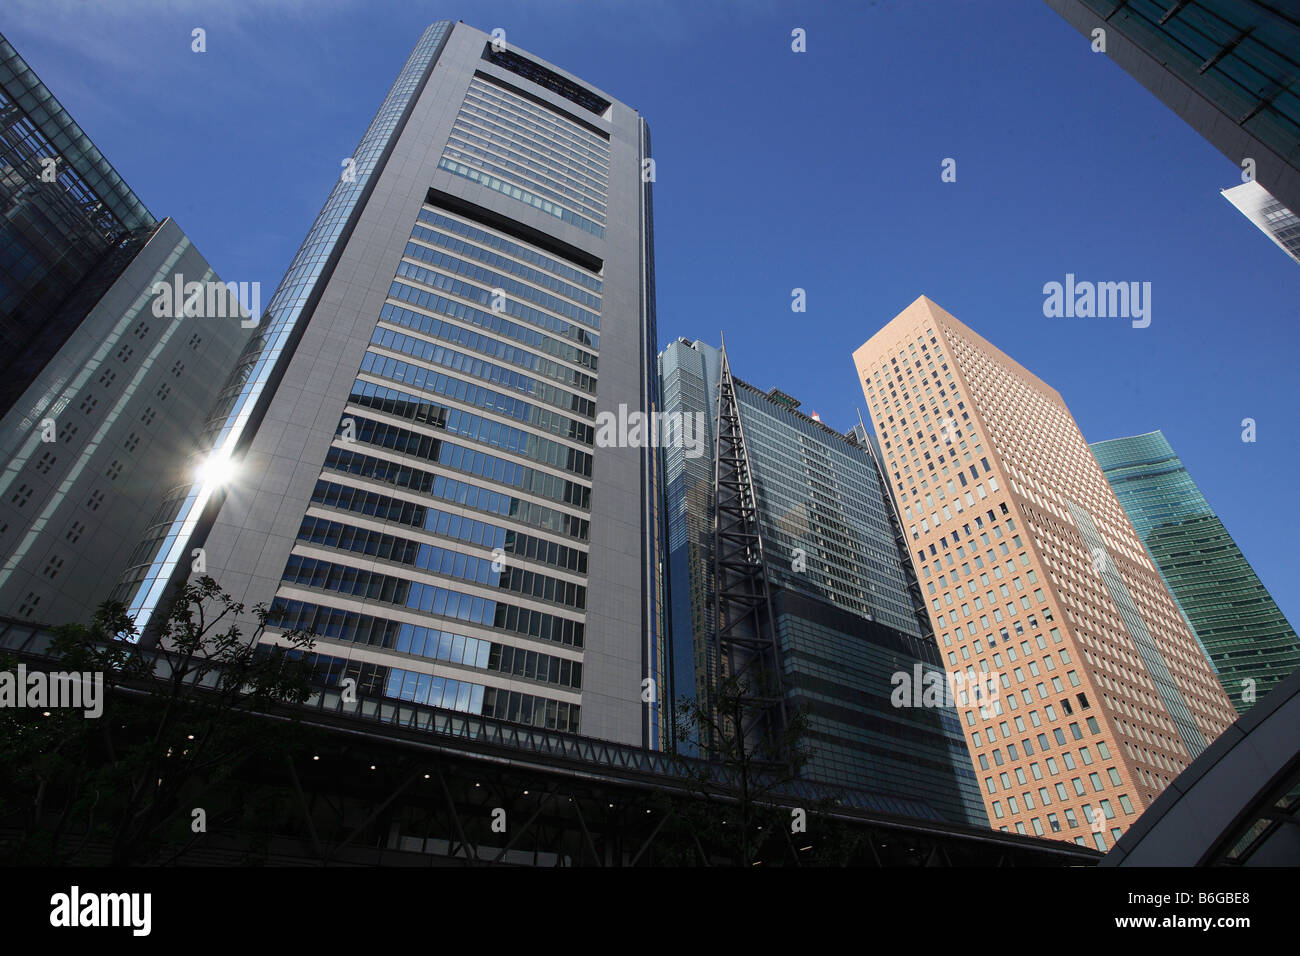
1243 631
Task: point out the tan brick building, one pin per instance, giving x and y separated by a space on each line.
1095 694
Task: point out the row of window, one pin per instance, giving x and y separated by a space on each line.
488 655
467 392
488 298
512 127
545 129
556 131
523 195
456 421
514 174
536 276
429 557
481 343
498 281
473 140
424 299
526 253
435 644
448 489
431 599
448 525
464 459
493 325
1067 759
445 692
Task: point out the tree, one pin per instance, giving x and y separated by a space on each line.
144 779
737 811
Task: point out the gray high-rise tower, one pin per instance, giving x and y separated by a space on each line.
413 437
105 384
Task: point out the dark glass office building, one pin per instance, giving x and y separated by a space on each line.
1227 67
414 471
1244 633
103 396
844 602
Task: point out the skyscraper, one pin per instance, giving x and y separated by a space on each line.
1036 580
1273 219
843 617
416 474
104 385
1242 629
1227 67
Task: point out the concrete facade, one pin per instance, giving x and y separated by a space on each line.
506 244
109 424
1273 219
1093 692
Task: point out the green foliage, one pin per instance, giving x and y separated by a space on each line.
178 721
736 816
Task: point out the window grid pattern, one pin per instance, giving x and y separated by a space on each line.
532 154
442 563
985 463
277 327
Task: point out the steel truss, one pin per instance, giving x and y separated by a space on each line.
744 639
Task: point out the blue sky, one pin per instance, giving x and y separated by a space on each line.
778 170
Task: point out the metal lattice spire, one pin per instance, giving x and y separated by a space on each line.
744 639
